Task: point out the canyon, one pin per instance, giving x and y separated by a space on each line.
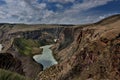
82 52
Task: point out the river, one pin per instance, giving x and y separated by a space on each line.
46 58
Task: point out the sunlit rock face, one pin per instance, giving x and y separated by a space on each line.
46 58
94 53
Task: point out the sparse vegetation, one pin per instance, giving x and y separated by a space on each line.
25 46
7 75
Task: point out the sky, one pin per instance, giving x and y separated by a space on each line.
57 11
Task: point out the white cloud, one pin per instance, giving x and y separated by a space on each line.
59 6
24 10
61 1
73 15
30 11
87 4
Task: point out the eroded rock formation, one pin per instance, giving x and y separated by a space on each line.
93 54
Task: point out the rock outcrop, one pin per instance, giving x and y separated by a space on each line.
94 53
29 66
23 65
8 62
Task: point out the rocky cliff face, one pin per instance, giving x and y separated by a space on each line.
23 41
44 33
23 65
92 54
8 62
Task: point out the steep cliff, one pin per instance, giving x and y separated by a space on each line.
43 33
93 53
24 41
23 65
8 62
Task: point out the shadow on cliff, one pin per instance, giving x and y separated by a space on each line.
8 62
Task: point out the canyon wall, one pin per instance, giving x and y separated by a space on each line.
93 54
23 42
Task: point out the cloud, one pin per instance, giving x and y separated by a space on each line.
74 14
31 11
61 1
24 10
59 6
87 4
